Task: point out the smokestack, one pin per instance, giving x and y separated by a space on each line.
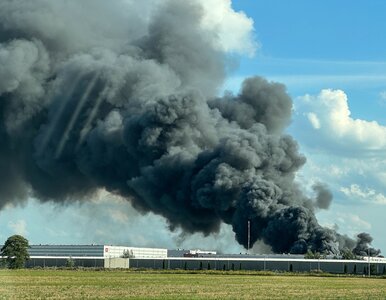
131 108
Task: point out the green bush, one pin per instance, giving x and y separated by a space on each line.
70 262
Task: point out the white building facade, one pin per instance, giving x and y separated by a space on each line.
103 251
134 252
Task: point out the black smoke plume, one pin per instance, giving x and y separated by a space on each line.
97 94
323 195
363 247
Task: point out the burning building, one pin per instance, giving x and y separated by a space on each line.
110 95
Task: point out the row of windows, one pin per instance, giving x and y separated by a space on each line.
66 250
94 250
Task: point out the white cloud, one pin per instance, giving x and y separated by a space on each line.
118 216
382 177
353 221
368 195
235 29
347 223
330 114
314 120
362 224
18 227
382 98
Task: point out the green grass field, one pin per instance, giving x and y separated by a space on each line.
80 284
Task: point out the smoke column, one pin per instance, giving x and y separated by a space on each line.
122 96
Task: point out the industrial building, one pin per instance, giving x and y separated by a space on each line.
108 256
289 264
102 251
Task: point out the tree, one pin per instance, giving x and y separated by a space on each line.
314 255
3 263
15 250
309 254
127 254
70 262
347 254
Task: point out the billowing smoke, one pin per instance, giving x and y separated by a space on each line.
363 247
323 195
122 96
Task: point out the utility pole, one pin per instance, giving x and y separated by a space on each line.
249 235
368 252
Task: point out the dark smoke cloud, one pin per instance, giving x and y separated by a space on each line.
259 102
363 245
131 107
323 195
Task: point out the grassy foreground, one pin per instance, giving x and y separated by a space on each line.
78 284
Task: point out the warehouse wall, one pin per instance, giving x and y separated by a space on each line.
46 262
296 265
331 266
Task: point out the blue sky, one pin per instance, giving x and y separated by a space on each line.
329 30
309 46
336 44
